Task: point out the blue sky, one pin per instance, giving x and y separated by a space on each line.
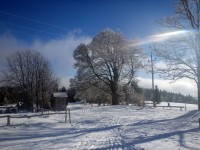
56 27
135 18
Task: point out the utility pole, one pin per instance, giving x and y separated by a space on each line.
152 71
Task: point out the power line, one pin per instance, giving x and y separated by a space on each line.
28 28
33 20
24 33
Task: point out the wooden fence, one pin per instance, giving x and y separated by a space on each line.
181 107
169 106
67 113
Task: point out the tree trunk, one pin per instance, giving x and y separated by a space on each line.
115 99
198 82
115 96
198 66
198 70
198 86
114 87
198 96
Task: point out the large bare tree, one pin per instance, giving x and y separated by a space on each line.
110 59
182 54
30 72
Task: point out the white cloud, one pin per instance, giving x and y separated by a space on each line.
160 64
8 45
65 81
183 86
58 51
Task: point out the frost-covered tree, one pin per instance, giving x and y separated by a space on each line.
31 74
182 55
133 94
107 61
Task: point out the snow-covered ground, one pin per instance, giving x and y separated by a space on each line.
106 127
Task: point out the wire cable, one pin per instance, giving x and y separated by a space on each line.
28 28
33 20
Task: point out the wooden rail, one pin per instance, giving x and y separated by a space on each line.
148 103
30 116
7 107
172 106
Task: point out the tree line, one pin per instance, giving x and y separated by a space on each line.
169 97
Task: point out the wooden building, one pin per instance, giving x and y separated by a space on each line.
59 101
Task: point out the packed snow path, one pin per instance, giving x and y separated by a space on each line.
106 127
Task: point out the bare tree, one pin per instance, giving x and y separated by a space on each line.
107 61
30 72
182 55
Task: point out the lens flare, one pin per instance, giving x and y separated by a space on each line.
162 37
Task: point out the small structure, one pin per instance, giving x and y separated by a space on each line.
59 101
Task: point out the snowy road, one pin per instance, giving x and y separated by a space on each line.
108 127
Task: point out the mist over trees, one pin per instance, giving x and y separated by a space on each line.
29 73
181 55
169 97
106 64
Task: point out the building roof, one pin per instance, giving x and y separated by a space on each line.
60 94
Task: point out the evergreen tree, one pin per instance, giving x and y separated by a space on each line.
157 95
71 94
63 89
170 97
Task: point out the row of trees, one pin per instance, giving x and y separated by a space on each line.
164 96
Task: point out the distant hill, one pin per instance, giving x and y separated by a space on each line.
170 97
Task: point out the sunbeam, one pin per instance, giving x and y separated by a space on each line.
162 37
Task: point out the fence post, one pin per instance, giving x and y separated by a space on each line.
180 108
8 120
199 122
66 114
185 107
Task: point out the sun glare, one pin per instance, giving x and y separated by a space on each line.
162 37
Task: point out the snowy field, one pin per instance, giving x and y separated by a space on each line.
106 127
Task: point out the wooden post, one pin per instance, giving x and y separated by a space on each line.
199 122
8 120
66 114
180 108
69 117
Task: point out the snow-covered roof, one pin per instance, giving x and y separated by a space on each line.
60 94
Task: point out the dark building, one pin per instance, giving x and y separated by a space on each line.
59 101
